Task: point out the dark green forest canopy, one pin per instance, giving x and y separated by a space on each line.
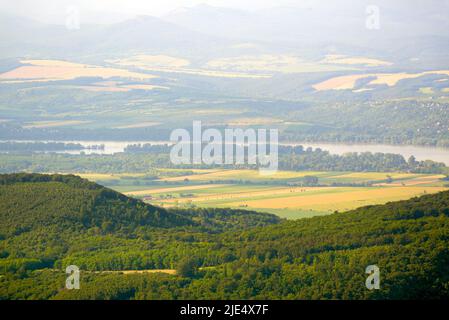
50 222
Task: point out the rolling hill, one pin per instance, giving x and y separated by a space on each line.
33 201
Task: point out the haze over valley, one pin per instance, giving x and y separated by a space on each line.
315 71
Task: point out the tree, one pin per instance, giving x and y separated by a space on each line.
310 181
187 267
389 179
412 162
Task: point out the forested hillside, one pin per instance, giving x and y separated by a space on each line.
71 203
50 222
48 217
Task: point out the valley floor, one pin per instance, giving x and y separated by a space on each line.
284 194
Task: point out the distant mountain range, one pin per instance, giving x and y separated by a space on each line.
408 30
24 37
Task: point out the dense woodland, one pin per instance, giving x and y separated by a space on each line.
50 222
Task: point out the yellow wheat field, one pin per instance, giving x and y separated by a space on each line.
340 201
242 174
53 70
272 192
51 124
342 59
163 63
390 79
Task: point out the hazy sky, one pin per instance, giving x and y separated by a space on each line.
107 11
150 7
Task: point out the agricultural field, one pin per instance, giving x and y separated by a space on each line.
271 64
363 61
163 63
54 70
50 124
283 194
348 82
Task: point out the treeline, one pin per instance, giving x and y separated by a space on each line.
70 180
38 146
148 148
144 158
11 131
48 163
299 159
